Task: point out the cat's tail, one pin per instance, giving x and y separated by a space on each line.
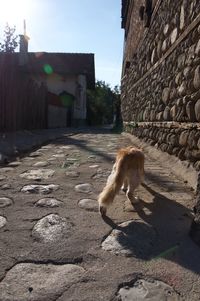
107 196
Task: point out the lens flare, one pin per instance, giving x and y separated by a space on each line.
48 69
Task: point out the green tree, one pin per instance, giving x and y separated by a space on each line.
102 104
9 43
117 106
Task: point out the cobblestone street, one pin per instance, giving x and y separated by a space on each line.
54 245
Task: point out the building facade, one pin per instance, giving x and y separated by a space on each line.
160 88
161 75
66 76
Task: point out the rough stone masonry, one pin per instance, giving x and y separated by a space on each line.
161 77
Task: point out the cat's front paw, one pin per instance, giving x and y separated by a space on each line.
124 189
135 200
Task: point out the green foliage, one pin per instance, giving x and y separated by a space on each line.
9 43
102 104
117 108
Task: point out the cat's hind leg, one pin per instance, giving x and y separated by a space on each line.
125 185
133 182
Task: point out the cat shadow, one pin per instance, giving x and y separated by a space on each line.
110 222
161 231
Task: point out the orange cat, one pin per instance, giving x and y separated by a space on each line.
127 173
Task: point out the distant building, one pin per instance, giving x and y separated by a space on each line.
67 76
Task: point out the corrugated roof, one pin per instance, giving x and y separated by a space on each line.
63 63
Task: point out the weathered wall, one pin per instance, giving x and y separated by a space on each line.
161 89
135 23
23 102
80 104
134 29
73 84
57 117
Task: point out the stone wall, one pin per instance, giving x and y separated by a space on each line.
181 140
161 88
134 30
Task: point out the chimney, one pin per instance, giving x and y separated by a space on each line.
23 44
23 47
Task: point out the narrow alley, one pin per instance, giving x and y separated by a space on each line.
54 245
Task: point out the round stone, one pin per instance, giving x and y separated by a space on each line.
174 35
197 50
28 159
89 205
3 221
190 110
183 138
196 80
70 163
51 159
58 155
41 164
46 147
148 289
166 114
182 89
126 240
59 151
14 163
48 202
37 174
50 228
173 112
65 147
29 281
43 189
182 17
197 110
166 29
153 56
165 95
94 166
164 46
72 174
85 188
35 154
6 169
101 174
72 160
4 202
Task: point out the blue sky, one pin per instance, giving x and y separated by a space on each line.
85 26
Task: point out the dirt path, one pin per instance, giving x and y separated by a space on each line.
54 245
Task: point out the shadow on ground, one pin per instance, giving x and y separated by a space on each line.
82 144
170 222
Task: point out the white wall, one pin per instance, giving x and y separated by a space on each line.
74 84
80 105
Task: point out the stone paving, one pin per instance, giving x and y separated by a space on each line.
54 245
